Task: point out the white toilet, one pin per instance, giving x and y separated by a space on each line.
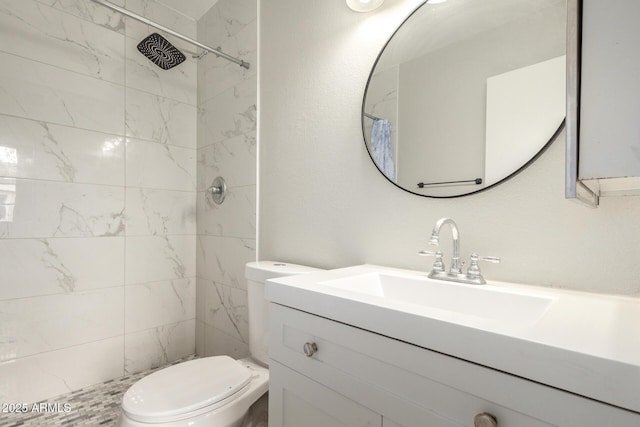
213 391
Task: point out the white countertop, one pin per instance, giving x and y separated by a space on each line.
584 343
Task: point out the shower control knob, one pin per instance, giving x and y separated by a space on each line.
485 420
310 349
218 190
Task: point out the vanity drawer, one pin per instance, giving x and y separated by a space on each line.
406 383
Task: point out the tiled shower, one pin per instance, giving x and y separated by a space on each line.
226 238
112 259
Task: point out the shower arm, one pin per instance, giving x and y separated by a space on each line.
171 32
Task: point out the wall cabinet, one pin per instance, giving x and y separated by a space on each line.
605 97
358 378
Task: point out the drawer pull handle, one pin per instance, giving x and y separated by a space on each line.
485 420
310 348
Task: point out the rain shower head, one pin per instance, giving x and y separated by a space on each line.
160 51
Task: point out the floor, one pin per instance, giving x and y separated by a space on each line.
94 406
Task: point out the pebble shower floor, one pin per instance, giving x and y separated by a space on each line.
94 406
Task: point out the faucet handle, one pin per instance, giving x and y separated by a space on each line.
492 259
438 265
474 268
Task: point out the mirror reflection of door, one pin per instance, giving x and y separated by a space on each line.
469 92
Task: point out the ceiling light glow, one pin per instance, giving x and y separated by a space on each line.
364 5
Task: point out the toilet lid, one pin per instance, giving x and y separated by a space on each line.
183 388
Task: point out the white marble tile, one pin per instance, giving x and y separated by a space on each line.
163 15
200 330
32 267
201 297
152 165
211 28
42 376
217 343
192 9
150 305
157 258
178 83
63 170
229 114
7 201
223 259
155 118
236 217
42 33
237 14
42 92
215 75
52 322
92 12
233 158
32 149
226 309
157 346
45 209
226 18
160 212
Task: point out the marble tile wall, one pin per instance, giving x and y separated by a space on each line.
98 182
226 147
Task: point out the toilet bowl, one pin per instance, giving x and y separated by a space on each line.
216 391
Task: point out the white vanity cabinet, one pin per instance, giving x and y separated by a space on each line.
352 377
304 402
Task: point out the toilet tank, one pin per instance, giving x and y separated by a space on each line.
257 273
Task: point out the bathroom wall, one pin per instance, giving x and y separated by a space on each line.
227 148
323 203
97 197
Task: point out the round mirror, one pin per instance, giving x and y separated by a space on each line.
466 94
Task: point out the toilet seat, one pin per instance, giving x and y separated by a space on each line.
198 386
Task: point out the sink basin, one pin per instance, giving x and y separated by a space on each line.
484 301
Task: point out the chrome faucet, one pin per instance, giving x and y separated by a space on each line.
456 266
455 273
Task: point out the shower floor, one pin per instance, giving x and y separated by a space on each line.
94 406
